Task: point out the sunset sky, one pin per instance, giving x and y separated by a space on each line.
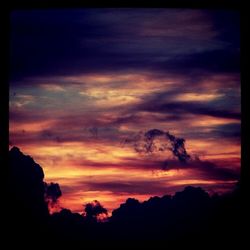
87 84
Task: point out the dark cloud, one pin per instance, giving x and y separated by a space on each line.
145 143
53 42
126 162
61 134
205 63
230 130
74 128
178 147
204 170
24 116
150 187
208 170
212 171
197 108
227 22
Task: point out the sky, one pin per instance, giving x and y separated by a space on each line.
87 87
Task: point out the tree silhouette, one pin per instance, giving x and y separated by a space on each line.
190 215
94 209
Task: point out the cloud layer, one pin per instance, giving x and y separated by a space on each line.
82 82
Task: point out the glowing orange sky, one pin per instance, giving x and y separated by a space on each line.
82 157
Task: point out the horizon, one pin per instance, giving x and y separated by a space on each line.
51 197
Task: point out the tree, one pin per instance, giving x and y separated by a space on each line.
94 209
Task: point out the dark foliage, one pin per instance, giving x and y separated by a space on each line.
189 216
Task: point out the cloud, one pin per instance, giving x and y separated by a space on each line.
174 70
145 143
72 42
23 116
230 130
211 170
204 63
130 187
189 108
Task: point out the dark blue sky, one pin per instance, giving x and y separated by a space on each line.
66 42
